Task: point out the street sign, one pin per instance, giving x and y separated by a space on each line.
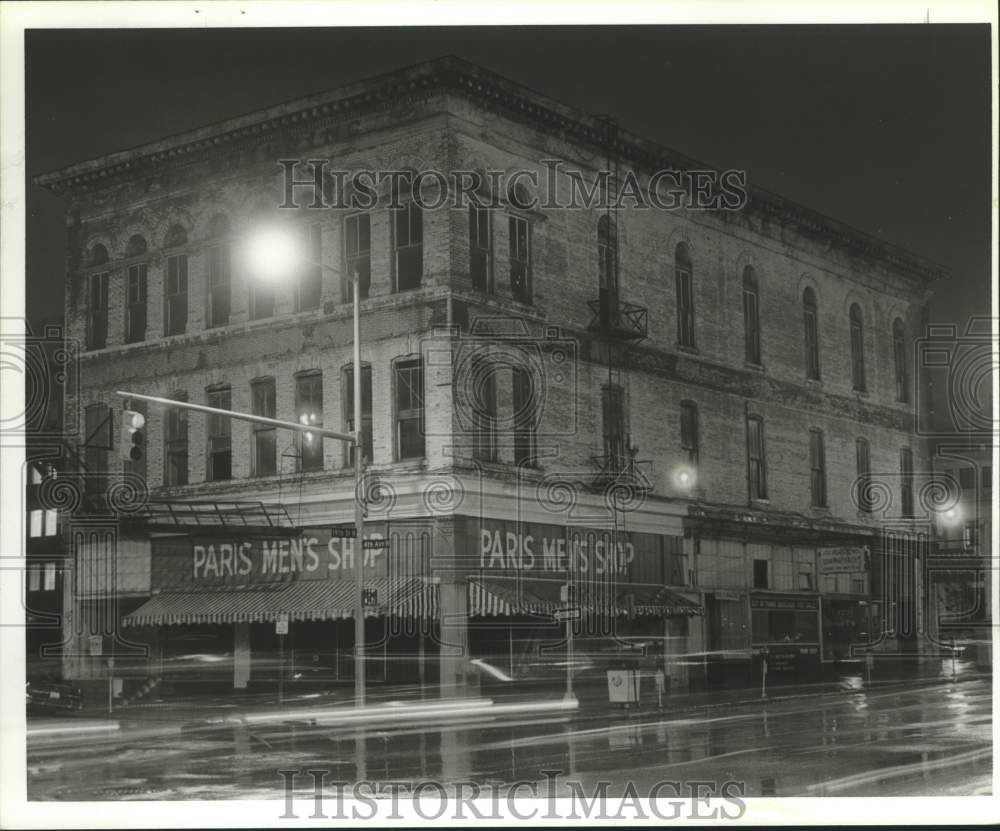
566 614
281 624
96 645
370 544
369 597
344 533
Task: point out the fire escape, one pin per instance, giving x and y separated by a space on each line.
616 326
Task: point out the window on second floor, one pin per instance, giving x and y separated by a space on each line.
906 481
967 481
615 438
817 468
264 461
366 412
175 471
519 244
220 436
689 432
863 462
97 309
409 389
358 255
756 458
309 411
525 417
751 317
899 361
135 323
484 410
481 248
760 574
683 276
262 298
810 319
857 348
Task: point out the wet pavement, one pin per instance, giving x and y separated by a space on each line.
894 739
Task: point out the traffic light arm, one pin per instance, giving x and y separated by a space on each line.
350 438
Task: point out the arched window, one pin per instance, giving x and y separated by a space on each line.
751 316
899 360
857 348
607 270
175 300
811 320
219 272
136 246
98 255
685 296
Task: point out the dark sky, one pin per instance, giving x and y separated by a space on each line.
884 128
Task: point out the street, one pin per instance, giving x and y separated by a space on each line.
920 739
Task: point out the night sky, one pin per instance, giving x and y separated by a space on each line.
884 128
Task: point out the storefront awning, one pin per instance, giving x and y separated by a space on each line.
300 600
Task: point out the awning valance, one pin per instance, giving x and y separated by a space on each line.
299 600
493 596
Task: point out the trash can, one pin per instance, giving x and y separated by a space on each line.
623 685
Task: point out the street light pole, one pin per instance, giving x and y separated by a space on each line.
359 510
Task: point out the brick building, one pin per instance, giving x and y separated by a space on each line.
672 409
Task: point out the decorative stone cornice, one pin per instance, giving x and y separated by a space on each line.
487 90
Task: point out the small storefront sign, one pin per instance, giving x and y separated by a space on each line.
789 603
281 625
843 560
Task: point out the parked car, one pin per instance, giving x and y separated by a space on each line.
50 696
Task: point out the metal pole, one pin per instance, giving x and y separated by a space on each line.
763 675
569 659
359 516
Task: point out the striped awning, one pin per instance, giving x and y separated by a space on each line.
300 600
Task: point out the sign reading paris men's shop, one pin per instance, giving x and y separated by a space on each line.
316 554
497 546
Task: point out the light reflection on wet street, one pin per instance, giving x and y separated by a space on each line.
932 740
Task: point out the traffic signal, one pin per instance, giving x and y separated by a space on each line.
133 435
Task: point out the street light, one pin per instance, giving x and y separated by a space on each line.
272 253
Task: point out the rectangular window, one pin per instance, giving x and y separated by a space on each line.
358 253
805 581
967 480
685 306
757 463
906 481
309 411
409 240
34 577
519 241
689 432
613 401
265 440
176 311
135 325
480 249
751 323
49 584
35 523
310 285
98 311
410 410
857 353
863 494
261 299
220 436
987 478
484 412
760 574
525 416
96 443
817 468
176 445
50 525
899 363
366 412
219 284
812 341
